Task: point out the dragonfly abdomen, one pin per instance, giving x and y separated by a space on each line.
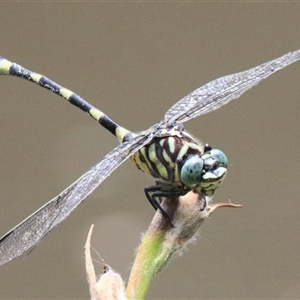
13 69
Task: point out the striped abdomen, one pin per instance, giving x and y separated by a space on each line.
162 158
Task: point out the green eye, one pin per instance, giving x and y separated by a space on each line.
191 171
219 156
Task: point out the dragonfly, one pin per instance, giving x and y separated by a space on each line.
178 161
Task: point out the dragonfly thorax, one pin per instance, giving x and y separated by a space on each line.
178 158
162 156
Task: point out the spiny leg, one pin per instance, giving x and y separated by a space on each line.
13 69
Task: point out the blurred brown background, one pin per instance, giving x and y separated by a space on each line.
133 61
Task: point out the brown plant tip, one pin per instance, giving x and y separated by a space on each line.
109 286
215 206
187 217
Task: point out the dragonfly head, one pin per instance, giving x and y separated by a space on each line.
204 174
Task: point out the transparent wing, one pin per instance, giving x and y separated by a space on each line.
33 229
219 92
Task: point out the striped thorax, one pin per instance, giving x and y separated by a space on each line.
176 157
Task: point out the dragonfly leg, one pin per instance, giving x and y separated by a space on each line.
203 203
156 193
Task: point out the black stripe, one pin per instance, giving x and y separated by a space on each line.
49 85
109 124
80 103
152 166
17 70
159 154
178 144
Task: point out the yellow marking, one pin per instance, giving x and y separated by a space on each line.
187 134
173 132
195 146
167 158
172 144
162 171
183 150
65 93
152 153
35 77
120 132
162 142
146 165
96 113
134 159
142 165
160 167
195 139
5 65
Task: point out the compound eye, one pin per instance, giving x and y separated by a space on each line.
191 171
219 156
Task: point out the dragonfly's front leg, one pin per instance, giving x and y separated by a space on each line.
156 193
